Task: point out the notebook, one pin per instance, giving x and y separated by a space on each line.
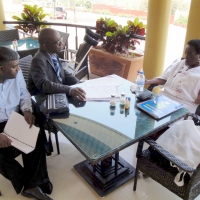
160 106
23 137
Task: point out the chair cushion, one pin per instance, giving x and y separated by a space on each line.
24 64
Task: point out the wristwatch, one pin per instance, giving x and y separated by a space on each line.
28 110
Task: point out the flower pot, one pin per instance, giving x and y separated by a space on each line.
103 63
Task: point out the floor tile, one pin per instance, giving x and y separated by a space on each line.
69 185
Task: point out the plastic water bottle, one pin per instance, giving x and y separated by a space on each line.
15 44
140 81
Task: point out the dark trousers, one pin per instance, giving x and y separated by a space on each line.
34 171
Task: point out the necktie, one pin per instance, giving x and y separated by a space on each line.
56 67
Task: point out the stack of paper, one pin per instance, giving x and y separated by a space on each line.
100 89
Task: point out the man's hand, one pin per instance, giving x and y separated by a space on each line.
4 141
197 100
78 93
30 119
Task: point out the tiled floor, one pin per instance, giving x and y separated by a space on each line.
69 185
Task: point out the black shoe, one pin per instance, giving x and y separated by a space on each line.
46 187
36 193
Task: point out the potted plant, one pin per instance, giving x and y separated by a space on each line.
114 55
118 39
31 14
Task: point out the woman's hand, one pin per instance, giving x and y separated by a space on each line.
30 119
147 82
197 100
4 141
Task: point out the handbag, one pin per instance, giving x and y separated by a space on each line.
55 104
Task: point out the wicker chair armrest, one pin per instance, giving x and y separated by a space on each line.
195 116
151 87
168 156
63 60
139 148
71 50
197 112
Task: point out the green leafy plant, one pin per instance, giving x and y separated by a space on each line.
118 39
31 14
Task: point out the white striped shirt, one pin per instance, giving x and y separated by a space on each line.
13 96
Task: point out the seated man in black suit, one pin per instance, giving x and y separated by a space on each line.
46 76
32 179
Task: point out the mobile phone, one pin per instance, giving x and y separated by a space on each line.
133 88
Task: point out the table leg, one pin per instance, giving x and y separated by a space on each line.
107 175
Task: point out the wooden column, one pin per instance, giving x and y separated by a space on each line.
156 37
2 16
193 26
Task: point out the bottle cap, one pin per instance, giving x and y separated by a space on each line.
112 95
141 72
123 94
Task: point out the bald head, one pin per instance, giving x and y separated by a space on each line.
47 35
50 40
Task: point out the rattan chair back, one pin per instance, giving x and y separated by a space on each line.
9 35
191 188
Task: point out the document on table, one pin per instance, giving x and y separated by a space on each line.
100 93
101 82
23 137
100 89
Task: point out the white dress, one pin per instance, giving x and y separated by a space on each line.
182 84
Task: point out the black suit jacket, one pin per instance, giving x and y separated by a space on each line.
43 79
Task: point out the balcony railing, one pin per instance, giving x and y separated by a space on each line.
77 33
76 26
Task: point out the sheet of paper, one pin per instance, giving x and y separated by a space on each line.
18 128
101 82
100 93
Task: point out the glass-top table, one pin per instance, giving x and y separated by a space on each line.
22 44
99 132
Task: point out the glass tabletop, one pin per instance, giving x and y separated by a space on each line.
99 130
22 44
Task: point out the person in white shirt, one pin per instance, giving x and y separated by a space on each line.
181 81
31 180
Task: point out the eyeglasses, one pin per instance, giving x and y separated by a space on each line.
58 42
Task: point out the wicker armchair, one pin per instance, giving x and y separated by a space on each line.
63 54
41 120
24 53
9 35
165 175
78 65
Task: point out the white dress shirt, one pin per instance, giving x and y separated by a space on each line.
183 84
14 96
